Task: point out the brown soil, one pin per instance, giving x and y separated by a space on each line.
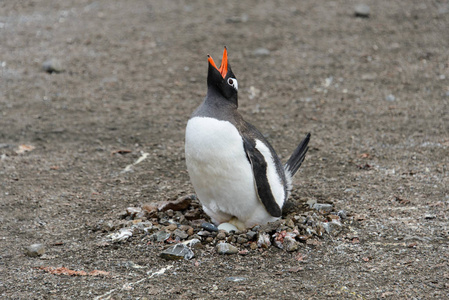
374 93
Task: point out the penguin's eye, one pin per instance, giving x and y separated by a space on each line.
233 82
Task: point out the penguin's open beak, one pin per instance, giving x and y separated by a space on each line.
224 63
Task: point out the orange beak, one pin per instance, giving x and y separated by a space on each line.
224 63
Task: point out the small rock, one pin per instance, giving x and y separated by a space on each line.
253 246
244 252
193 214
171 227
178 251
190 231
178 204
261 52
133 211
122 235
203 233
181 234
342 214
323 207
150 209
251 235
225 248
227 227
290 244
35 250
52 65
362 10
209 227
429 217
332 228
272 226
241 239
193 243
238 19
263 240
221 235
160 236
235 279
390 98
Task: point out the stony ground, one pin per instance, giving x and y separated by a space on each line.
104 133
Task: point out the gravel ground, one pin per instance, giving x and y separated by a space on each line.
94 99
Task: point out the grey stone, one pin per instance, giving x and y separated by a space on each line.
181 234
323 207
225 248
362 10
290 244
35 250
332 228
160 236
204 233
390 98
209 226
251 235
235 278
52 65
342 214
261 52
263 240
178 251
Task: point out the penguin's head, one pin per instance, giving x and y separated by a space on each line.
222 80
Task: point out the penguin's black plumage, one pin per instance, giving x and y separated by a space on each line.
236 173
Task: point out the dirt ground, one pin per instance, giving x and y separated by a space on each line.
374 93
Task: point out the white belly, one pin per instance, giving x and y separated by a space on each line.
220 172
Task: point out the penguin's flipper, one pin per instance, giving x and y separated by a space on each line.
262 186
295 161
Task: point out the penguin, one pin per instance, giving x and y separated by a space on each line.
236 173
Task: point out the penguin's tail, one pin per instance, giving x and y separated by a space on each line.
295 161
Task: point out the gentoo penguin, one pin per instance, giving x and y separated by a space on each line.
236 173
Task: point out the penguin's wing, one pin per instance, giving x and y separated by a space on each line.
262 186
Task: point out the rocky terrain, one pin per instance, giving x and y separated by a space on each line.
95 198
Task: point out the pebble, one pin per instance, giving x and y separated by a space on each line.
150 209
122 235
178 251
390 98
209 226
261 52
225 248
193 243
181 234
53 65
133 211
192 214
332 228
160 236
323 207
242 239
290 244
263 240
35 250
362 10
235 278
251 235
221 235
178 204
203 233
342 214
227 227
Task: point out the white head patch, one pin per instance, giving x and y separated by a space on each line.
233 82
